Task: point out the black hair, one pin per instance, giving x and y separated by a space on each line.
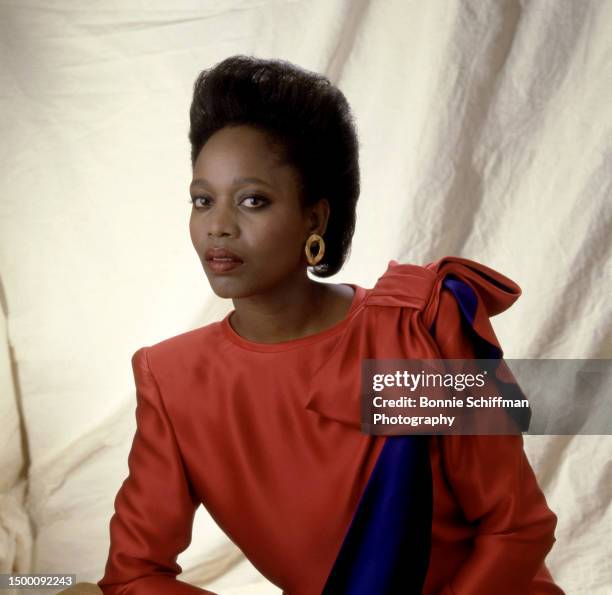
307 116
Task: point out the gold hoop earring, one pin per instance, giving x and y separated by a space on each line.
312 239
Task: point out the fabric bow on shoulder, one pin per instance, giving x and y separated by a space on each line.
396 320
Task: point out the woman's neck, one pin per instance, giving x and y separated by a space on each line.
298 311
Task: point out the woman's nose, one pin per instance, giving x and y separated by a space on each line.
221 220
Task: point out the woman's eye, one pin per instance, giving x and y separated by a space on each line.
198 201
260 201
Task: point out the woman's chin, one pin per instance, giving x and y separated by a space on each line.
226 288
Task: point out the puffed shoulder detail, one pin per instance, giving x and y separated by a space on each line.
410 285
182 351
496 291
414 299
402 285
480 291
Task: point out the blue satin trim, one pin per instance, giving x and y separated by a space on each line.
387 547
468 303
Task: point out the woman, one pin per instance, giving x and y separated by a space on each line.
257 416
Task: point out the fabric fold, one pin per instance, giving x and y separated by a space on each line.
481 292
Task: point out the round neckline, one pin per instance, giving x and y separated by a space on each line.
239 340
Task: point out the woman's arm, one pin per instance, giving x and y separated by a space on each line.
497 490
155 506
495 486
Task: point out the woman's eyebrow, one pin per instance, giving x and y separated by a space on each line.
204 182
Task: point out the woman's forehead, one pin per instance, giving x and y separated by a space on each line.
240 155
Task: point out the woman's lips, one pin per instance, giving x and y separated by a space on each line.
221 259
221 265
219 253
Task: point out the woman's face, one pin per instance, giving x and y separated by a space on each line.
245 202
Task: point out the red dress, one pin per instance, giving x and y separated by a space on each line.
267 437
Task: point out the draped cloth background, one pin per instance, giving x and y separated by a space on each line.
485 130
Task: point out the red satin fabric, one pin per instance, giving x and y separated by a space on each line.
267 437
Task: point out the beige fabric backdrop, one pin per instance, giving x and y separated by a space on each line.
486 131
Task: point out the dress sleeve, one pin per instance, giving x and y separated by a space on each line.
154 507
492 479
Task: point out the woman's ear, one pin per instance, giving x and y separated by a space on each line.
319 216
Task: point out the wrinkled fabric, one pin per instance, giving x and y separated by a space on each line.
266 436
